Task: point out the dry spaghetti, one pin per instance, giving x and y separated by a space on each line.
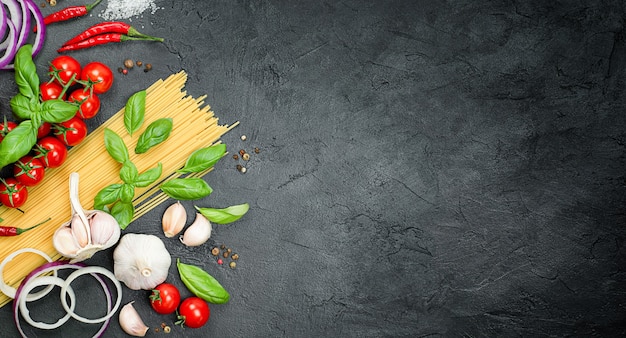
195 126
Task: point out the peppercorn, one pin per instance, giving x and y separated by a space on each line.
256 150
220 262
232 265
235 157
239 167
120 69
243 170
246 157
241 152
222 246
235 257
215 251
148 67
167 329
124 71
229 250
226 254
139 63
128 63
243 137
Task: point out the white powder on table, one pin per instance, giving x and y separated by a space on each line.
126 9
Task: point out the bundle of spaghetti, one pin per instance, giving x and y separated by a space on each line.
194 126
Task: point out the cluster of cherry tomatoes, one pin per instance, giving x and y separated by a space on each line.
192 312
84 84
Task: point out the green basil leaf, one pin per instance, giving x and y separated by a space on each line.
17 143
135 111
115 146
201 284
57 111
188 188
226 215
127 193
26 76
149 176
21 106
204 158
106 196
157 132
129 172
123 213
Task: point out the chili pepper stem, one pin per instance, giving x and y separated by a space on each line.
140 38
21 231
89 7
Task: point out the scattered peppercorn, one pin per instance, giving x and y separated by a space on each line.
167 329
139 63
235 157
163 325
243 170
245 157
241 152
128 63
120 69
235 257
226 254
232 265
243 137
156 329
222 246
215 251
220 262
148 67
256 150
124 71
239 167
229 250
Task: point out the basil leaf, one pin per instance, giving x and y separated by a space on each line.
157 132
57 111
129 172
135 111
17 143
115 146
149 176
123 213
204 158
201 284
21 106
26 76
127 193
226 215
189 188
106 196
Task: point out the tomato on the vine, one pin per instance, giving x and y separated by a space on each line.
6 127
65 67
51 91
89 103
13 194
44 130
29 170
193 312
71 132
51 151
97 75
165 298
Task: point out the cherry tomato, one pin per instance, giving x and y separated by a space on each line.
51 151
44 130
6 127
66 67
13 194
165 298
90 105
71 132
99 75
29 170
193 312
51 91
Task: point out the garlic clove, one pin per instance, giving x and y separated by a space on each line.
131 322
86 253
79 229
174 219
64 242
105 230
198 232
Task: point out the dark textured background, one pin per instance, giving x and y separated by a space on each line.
426 168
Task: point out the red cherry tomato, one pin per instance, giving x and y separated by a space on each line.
71 132
51 151
5 128
51 91
13 194
90 105
44 130
99 75
165 298
66 67
29 170
193 312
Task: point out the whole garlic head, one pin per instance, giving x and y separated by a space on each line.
141 261
87 232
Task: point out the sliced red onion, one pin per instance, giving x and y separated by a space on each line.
41 281
41 27
10 291
11 48
21 12
91 270
3 21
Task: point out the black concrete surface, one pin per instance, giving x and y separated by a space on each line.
426 169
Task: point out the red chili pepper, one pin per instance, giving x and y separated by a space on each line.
14 231
106 27
69 13
104 39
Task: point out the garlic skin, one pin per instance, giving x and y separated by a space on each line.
87 232
198 232
141 261
174 219
130 321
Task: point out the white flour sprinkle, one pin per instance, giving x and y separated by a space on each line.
126 9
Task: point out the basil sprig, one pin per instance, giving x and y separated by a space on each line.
17 143
203 158
115 146
135 111
202 284
188 188
157 132
225 215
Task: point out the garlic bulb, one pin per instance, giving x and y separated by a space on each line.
141 261
174 219
198 232
87 232
130 321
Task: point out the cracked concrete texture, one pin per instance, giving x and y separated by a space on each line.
451 169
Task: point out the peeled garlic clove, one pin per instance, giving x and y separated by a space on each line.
105 230
79 229
130 321
64 242
174 219
198 232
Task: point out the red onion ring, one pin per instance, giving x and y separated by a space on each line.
91 270
3 21
21 12
44 281
11 49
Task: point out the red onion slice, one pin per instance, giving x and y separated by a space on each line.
41 27
10 291
11 48
21 12
3 21
44 281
